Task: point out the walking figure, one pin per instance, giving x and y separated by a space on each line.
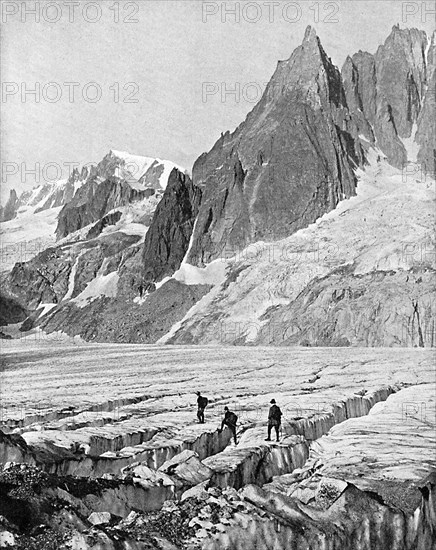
202 403
274 420
230 419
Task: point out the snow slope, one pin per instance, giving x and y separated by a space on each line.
26 235
134 168
102 285
33 228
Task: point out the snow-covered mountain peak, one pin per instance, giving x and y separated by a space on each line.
141 172
31 218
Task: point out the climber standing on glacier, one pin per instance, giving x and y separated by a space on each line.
202 403
274 420
230 419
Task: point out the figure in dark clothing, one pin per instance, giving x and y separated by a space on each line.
230 420
201 404
274 420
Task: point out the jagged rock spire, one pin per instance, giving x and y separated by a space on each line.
300 133
310 34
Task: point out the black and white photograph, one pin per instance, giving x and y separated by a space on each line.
218 275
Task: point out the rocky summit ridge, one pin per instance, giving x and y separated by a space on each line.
320 142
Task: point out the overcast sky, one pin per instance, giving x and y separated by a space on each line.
162 69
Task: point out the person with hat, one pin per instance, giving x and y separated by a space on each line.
230 420
274 420
202 403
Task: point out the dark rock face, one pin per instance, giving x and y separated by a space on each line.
287 164
9 211
36 516
358 74
386 91
167 239
115 320
11 311
92 255
110 219
152 175
401 75
42 280
47 277
426 133
92 202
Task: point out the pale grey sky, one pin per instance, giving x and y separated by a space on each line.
180 56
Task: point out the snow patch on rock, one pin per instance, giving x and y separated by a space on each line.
102 285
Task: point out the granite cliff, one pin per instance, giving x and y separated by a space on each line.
290 162
390 94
